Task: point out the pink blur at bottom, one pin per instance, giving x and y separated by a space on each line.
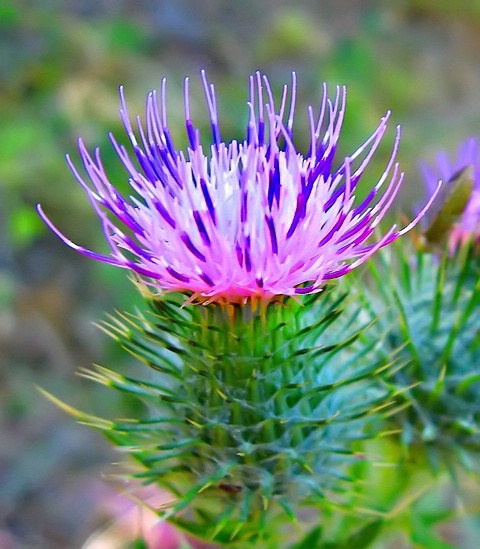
131 521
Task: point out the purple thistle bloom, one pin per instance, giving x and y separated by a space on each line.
468 154
244 219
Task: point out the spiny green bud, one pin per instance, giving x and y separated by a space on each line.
430 310
253 410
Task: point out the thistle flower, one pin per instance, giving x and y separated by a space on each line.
467 226
250 219
254 404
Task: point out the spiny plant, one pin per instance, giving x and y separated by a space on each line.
253 411
427 293
257 394
436 305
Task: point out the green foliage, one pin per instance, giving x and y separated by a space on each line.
462 10
359 539
25 225
254 410
8 13
124 35
430 307
312 539
292 34
138 544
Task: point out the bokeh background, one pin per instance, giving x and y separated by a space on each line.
61 62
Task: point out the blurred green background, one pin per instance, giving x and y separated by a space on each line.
61 63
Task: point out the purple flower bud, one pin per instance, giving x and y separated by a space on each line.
467 227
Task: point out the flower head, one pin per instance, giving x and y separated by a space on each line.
244 219
468 154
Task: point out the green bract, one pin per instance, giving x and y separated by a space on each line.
429 308
253 411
